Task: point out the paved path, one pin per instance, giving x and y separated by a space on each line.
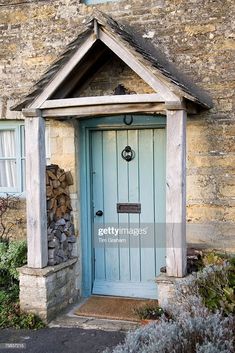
60 340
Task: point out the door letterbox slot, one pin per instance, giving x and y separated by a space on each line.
128 208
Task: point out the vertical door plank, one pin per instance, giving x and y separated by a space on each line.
146 172
122 171
110 201
133 197
97 190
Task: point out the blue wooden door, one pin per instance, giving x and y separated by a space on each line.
129 248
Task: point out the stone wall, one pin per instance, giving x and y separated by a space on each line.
197 35
16 220
112 74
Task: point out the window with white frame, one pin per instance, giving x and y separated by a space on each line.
12 156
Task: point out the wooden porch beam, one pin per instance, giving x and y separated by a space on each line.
90 101
36 190
176 259
106 109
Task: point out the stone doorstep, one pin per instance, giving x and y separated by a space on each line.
68 320
46 271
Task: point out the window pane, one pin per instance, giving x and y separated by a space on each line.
47 142
8 173
23 174
7 143
22 139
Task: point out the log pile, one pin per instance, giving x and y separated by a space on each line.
60 227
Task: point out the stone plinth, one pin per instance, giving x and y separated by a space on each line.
166 289
45 292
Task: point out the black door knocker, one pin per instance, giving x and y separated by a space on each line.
128 154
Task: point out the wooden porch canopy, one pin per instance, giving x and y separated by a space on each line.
56 95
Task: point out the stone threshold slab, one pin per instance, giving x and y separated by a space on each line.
69 320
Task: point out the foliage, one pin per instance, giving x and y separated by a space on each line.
12 255
211 333
149 311
201 319
7 203
192 328
214 258
11 315
216 285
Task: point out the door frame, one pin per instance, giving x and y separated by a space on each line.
85 127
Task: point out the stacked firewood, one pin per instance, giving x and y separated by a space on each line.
60 227
57 190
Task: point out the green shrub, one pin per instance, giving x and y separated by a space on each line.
214 258
215 283
12 316
216 286
13 254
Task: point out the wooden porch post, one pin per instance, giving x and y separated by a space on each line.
36 189
176 257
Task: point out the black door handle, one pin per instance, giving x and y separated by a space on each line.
99 213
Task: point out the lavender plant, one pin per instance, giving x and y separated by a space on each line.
186 334
195 326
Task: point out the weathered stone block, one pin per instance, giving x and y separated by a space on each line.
166 289
28 282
